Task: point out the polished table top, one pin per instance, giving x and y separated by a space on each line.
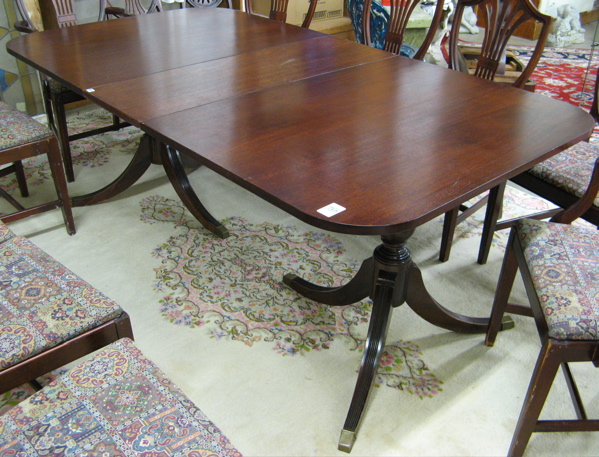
396 142
306 120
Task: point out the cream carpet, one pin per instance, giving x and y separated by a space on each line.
274 372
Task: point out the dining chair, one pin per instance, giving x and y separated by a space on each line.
56 96
558 264
501 19
50 317
561 179
22 137
278 11
384 28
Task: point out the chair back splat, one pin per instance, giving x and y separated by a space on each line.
400 12
500 20
278 11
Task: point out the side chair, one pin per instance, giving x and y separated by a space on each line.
386 30
278 11
501 18
22 137
55 95
558 263
50 316
562 180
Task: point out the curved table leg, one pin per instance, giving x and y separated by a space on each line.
139 165
171 160
430 310
375 343
390 278
355 290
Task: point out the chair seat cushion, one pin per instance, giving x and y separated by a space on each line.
563 261
18 128
42 303
571 169
118 403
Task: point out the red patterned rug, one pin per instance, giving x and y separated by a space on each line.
565 74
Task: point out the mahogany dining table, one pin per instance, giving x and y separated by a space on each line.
344 137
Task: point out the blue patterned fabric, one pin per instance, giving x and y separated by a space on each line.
379 23
42 303
116 404
563 261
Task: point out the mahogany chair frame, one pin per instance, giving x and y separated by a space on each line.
61 15
278 11
69 351
554 353
501 18
400 13
14 156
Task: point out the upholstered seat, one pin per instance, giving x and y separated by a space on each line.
570 170
564 266
18 128
118 403
42 303
48 315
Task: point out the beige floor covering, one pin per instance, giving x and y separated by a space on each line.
274 405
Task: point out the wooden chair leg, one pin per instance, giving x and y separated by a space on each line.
21 179
509 269
60 121
492 215
449 225
543 375
58 174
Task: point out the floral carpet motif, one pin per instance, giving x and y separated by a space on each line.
233 288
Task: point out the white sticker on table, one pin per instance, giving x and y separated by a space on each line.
331 210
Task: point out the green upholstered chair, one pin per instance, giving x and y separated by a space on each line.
559 264
22 137
48 315
118 403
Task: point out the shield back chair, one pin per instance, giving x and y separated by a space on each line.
558 263
501 19
562 180
22 137
386 29
278 11
58 14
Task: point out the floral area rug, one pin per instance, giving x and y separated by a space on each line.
233 289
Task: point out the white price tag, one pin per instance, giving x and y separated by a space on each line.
90 90
331 210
